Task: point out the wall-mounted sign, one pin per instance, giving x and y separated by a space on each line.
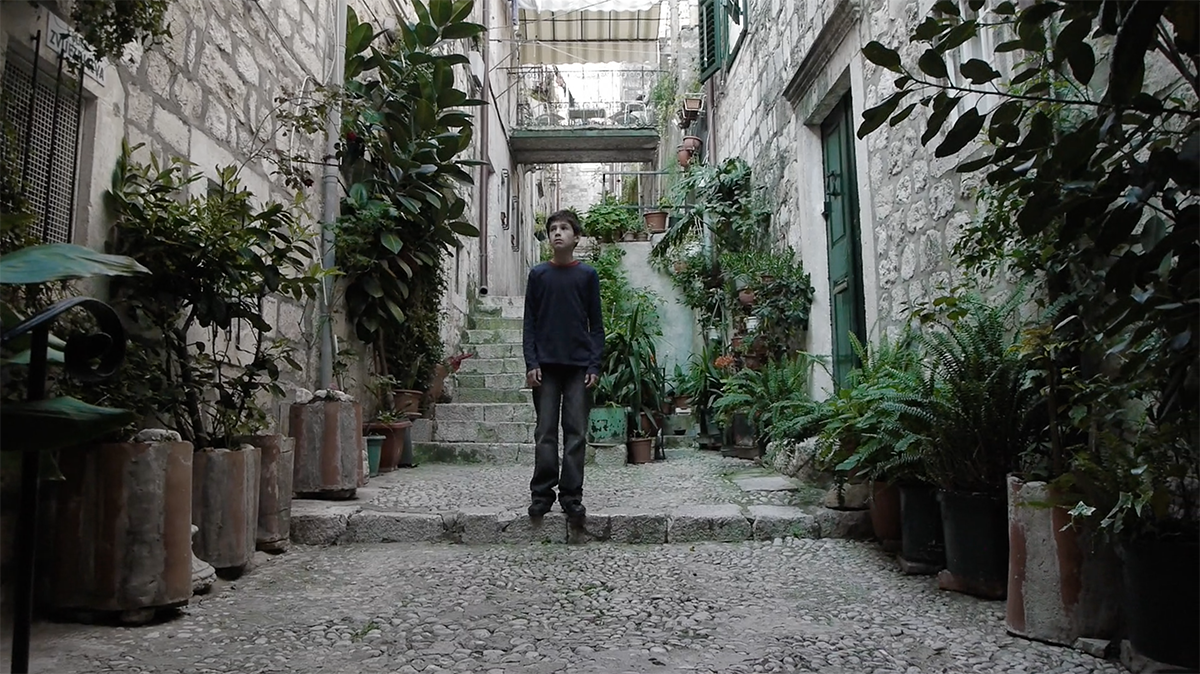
66 42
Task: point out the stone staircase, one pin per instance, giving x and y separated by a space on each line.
491 419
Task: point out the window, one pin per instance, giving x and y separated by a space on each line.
722 28
44 161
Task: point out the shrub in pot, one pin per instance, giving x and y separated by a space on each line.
974 379
213 260
404 210
140 487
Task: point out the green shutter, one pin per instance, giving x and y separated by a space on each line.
711 30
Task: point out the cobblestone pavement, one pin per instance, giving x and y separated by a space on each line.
828 606
687 477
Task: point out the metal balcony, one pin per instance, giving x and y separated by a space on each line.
570 115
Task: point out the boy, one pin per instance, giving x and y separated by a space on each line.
563 340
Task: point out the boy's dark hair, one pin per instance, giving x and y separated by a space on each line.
568 216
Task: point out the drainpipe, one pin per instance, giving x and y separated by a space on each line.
485 171
330 196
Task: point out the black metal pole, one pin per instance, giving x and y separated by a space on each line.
26 541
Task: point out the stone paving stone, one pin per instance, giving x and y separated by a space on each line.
519 527
724 523
393 527
854 524
770 483
800 606
771 522
320 522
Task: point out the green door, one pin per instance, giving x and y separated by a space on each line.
845 250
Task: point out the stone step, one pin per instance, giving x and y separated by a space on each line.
330 523
473 452
505 311
514 365
480 337
483 395
483 431
491 351
492 412
505 453
510 381
500 301
495 323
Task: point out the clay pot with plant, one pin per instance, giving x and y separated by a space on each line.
213 388
108 478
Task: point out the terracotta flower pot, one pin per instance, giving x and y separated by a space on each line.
679 267
406 401
276 472
640 450
1063 583
225 507
329 448
684 156
746 297
142 490
393 442
692 143
656 221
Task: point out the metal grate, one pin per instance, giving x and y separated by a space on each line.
45 160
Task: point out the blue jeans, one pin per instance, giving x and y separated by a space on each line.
563 393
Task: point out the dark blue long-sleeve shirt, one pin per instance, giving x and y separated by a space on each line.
563 323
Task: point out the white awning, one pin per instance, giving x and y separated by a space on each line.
593 5
590 36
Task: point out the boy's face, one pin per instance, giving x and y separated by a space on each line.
562 237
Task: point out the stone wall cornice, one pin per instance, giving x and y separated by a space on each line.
841 21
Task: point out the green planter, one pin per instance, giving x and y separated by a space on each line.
374 448
607 425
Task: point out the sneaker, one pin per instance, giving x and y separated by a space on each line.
539 508
574 509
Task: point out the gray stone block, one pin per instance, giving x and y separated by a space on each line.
320 522
477 526
769 483
394 527
636 526
519 527
853 524
608 456
422 430
852 497
771 522
723 523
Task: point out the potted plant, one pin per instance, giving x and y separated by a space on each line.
212 261
403 211
609 220
630 359
974 379
140 487
606 419
656 220
763 398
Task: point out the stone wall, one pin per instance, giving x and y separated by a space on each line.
796 63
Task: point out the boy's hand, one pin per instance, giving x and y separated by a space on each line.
591 380
534 377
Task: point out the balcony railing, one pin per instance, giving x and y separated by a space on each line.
551 97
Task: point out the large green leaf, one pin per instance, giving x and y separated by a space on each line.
461 30
61 262
56 423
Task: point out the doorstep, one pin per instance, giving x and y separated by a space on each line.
315 522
